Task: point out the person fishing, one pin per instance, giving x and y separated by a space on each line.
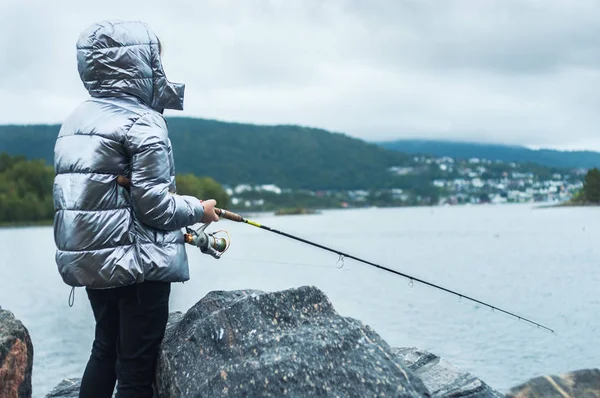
125 246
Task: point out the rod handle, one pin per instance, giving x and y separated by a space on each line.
229 215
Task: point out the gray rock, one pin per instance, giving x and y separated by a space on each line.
16 357
289 343
584 383
67 388
442 378
174 319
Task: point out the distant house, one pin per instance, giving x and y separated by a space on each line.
477 183
271 188
401 171
242 188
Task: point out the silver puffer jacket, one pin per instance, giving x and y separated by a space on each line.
107 236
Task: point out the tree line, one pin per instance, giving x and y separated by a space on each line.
26 190
591 187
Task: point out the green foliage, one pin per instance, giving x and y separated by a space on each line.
578 198
591 186
25 190
268 201
202 188
289 156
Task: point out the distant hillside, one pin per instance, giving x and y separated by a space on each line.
466 150
232 153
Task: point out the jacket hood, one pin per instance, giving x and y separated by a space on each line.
119 58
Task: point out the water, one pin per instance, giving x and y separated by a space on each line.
540 263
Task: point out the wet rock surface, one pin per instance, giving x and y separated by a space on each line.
289 343
16 357
441 378
67 388
584 383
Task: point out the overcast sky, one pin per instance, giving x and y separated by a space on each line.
506 71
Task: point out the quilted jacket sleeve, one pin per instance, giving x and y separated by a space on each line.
155 206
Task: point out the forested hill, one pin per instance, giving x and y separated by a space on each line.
232 153
518 154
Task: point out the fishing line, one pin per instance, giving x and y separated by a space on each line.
341 256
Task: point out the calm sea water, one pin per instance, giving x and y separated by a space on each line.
540 263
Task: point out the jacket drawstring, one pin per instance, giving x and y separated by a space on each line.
72 297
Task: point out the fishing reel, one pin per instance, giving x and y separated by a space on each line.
208 242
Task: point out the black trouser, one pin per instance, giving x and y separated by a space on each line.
130 325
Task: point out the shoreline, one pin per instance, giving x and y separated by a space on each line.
25 224
311 211
567 204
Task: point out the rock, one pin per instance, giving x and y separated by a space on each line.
580 383
16 357
66 389
441 378
174 319
289 343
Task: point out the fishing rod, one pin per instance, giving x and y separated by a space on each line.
211 244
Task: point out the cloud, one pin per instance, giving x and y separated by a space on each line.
509 71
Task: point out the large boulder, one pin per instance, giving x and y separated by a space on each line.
289 343
584 383
443 379
16 357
